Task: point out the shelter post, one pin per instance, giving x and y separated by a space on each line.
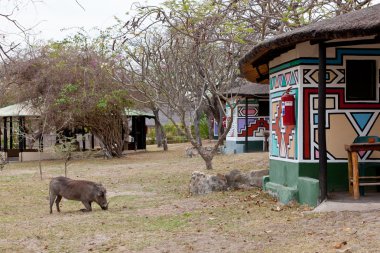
10 133
5 134
246 125
322 122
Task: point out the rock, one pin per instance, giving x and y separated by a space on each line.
256 177
238 180
202 183
191 151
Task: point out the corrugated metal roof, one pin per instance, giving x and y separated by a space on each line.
26 109
21 109
134 112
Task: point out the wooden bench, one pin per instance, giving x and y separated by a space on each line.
353 167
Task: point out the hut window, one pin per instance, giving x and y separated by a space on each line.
360 80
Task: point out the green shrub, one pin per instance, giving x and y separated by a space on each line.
203 127
173 135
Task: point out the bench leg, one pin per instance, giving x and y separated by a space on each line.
349 173
355 172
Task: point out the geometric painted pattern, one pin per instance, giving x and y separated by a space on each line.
252 111
362 118
287 78
343 124
282 137
254 125
333 76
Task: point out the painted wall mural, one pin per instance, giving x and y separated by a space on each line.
283 138
256 124
289 77
345 120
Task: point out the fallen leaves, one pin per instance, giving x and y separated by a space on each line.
340 245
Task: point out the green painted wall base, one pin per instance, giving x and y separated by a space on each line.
308 191
283 193
234 147
286 184
304 178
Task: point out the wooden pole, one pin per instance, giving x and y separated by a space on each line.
349 171
5 134
21 134
322 122
355 181
10 133
246 125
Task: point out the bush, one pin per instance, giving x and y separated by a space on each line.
203 127
172 135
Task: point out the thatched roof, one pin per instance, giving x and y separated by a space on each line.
365 22
250 89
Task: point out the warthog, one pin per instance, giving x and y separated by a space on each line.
81 190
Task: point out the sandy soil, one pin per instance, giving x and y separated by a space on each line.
151 211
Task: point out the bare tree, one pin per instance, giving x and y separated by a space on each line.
170 70
183 54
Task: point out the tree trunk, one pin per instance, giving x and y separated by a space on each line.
164 139
208 160
108 130
157 126
196 127
160 131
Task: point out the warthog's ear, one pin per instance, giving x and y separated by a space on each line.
100 193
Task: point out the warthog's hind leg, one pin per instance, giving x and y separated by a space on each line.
52 198
57 202
87 205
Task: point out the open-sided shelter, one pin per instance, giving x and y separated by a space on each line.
21 137
332 70
138 129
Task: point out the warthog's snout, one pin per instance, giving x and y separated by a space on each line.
105 207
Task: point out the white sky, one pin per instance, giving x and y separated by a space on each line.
51 19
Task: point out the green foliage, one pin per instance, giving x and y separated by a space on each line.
102 104
117 98
66 94
67 146
203 127
172 135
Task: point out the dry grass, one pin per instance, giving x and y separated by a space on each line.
150 211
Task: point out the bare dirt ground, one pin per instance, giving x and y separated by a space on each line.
151 211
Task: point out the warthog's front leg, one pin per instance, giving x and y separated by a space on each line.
87 205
